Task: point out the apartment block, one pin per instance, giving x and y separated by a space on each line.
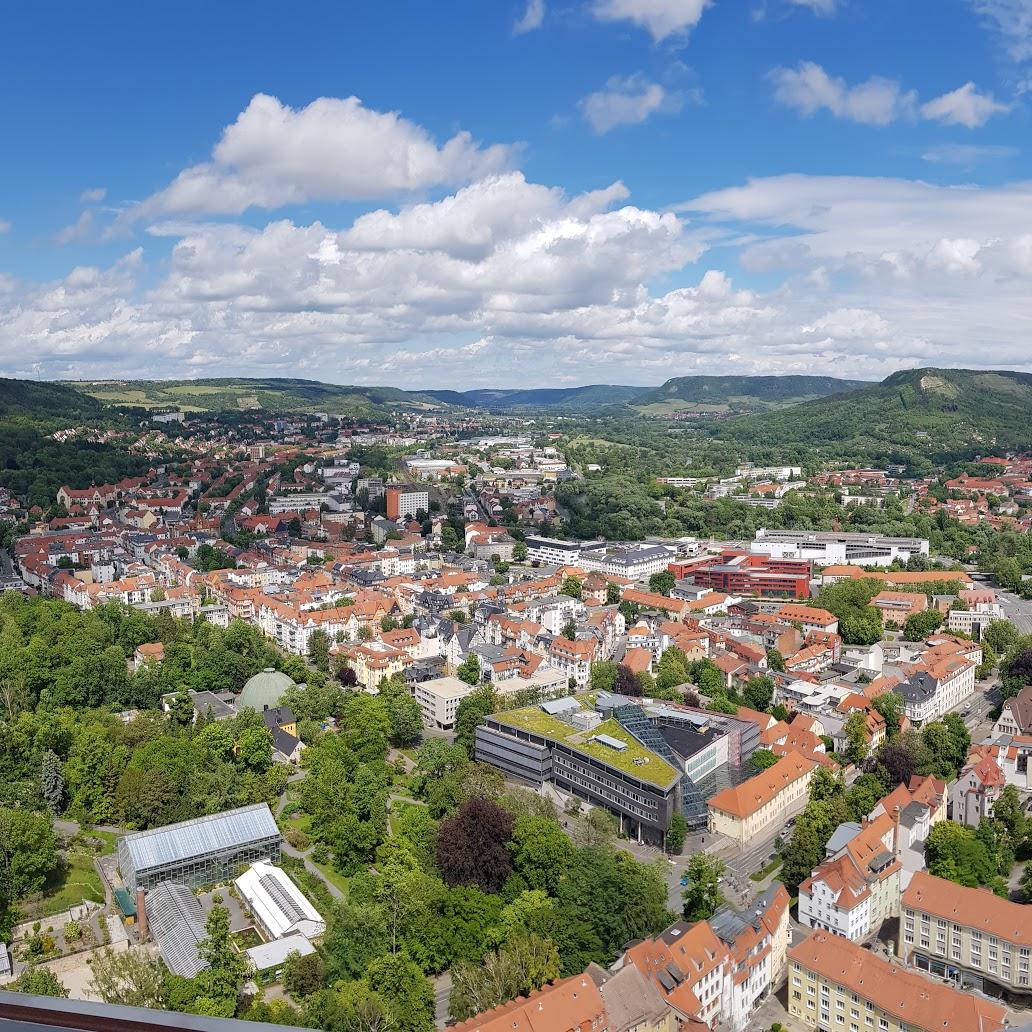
763 803
834 985
968 935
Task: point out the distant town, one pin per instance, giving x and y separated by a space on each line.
311 702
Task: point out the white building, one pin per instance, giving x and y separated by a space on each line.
439 700
635 562
974 620
554 552
828 548
278 905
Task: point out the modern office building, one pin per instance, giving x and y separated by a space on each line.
200 851
834 547
635 562
597 760
744 574
968 935
835 985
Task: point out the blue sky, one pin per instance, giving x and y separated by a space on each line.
543 192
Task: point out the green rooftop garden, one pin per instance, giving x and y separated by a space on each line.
635 760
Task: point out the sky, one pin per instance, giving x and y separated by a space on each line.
514 193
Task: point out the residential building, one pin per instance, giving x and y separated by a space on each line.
405 501
1015 715
837 547
971 936
573 658
574 1004
759 806
835 984
718 971
973 795
857 887
975 618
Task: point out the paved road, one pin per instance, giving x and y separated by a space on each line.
1017 610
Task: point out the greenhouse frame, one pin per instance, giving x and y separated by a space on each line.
200 851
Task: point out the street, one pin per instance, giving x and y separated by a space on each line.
1017 610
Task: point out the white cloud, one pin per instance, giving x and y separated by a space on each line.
507 282
963 106
660 18
1012 19
5 226
80 229
809 89
331 150
877 101
966 155
817 6
531 18
627 100
94 195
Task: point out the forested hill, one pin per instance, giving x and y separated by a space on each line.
568 399
41 401
735 393
914 416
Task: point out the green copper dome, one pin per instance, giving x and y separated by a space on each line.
264 690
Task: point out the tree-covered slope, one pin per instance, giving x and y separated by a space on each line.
912 416
568 399
724 395
37 400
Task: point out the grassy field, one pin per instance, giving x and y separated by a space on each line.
76 883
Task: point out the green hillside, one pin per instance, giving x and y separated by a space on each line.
44 401
236 394
566 399
730 395
912 416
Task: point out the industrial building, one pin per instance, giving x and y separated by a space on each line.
200 851
277 904
827 548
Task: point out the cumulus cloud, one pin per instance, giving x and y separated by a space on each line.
531 18
877 101
809 89
963 106
660 18
505 281
627 100
331 150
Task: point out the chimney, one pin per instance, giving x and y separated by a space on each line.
895 830
141 915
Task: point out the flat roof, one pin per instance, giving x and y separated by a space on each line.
635 760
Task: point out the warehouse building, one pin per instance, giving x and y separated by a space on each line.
201 851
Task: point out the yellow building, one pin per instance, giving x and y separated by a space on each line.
837 986
764 802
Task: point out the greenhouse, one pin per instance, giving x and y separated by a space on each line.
201 851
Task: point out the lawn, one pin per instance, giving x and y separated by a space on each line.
334 876
768 870
77 883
